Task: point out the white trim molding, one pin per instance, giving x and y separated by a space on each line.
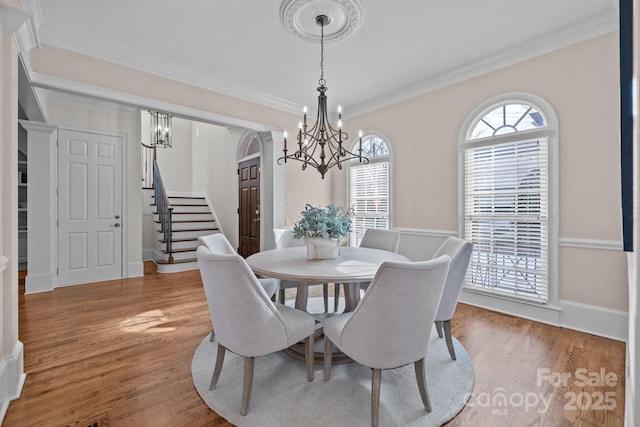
135 269
427 232
522 52
4 261
601 321
12 377
94 48
609 245
21 25
50 82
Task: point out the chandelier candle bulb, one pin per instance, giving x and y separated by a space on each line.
285 145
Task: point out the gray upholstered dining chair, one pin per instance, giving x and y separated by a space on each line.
386 240
247 322
284 239
219 244
460 252
386 330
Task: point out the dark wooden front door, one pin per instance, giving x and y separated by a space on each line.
249 211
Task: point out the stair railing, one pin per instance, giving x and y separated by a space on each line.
148 155
164 209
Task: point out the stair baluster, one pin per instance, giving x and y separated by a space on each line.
164 208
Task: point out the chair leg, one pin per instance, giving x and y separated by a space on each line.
438 325
422 384
281 295
309 355
376 379
213 335
218 368
325 296
328 354
447 335
249 363
336 296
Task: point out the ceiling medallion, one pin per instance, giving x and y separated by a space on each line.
344 18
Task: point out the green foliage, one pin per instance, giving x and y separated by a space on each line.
326 222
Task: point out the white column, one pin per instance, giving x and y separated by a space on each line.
11 350
42 181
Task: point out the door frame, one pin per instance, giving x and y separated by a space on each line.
43 252
267 184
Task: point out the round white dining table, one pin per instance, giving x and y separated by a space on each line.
352 266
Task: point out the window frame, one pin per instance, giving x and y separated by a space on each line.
550 132
373 160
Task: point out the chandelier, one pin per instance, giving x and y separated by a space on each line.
321 145
160 128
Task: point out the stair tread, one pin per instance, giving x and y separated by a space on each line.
184 204
186 197
181 239
183 221
183 197
177 261
190 229
188 213
191 249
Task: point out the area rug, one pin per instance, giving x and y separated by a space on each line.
282 396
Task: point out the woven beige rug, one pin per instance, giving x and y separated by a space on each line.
282 396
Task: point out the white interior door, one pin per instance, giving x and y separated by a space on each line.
89 207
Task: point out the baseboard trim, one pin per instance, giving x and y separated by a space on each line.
35 283
136 269
601 321
148 255
591 319
12 377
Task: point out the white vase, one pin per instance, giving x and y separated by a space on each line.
321 248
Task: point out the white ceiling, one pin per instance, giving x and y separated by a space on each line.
402 48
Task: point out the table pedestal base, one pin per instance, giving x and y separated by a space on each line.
351 298
297 351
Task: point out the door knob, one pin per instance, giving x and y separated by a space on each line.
117 224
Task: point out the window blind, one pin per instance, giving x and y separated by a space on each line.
506 217
369 198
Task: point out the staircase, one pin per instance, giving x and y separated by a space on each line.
191 217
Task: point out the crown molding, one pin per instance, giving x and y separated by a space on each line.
522 52
68 40
11 19
55 83
21 25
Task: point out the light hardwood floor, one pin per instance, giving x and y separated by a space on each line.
119 353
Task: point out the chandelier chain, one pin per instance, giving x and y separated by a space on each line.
322 81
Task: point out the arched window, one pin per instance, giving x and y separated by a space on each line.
369 193
252 146
506 199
